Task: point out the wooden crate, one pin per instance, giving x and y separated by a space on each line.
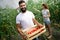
34 32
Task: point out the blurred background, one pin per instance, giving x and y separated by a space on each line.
8 14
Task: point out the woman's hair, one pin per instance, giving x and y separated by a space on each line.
45 6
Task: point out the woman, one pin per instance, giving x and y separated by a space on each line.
46 16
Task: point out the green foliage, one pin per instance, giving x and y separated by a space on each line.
7 22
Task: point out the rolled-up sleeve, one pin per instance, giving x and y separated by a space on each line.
32 15
17 20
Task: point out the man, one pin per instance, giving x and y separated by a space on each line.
25 19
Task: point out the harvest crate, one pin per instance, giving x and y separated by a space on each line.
34 32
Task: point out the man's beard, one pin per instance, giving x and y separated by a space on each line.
23 10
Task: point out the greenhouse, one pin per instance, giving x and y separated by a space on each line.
8 15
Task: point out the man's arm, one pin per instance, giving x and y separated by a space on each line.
18 26
36 22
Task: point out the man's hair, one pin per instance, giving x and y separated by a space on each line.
21 1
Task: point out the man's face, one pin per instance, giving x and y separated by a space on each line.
23 7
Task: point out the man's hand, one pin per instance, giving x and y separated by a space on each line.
24 37
40 25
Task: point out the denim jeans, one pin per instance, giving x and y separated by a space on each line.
36 38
